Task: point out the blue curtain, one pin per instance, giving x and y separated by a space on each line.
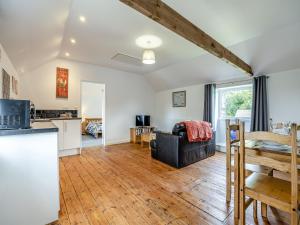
260 111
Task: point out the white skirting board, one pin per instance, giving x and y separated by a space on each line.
116 142
69 152
77 151
221 148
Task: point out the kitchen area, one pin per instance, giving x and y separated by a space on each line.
31 142
68 124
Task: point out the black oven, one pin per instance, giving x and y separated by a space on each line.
14 114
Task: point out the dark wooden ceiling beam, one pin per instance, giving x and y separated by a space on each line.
169 18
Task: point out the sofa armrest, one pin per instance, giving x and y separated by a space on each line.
167 148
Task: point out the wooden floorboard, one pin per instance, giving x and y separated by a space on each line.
122 184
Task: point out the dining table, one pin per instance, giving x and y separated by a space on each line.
263 153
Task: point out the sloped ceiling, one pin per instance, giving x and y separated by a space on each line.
263 33
32 31
272 52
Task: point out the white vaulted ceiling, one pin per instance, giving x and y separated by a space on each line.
272 52
32 31
263 33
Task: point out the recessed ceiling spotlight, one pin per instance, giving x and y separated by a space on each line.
73 41
82 19
148 41
67 54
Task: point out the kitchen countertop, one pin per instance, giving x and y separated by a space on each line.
36 127
57 118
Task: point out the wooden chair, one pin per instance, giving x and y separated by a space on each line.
250 168
269 190
284 175
147 137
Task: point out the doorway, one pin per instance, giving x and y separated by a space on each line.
93 114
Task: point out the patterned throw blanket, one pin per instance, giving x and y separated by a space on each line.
198 130
94 128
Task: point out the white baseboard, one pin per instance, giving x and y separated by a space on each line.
117 142
69 152
221 148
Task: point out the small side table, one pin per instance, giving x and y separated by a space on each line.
136 133
147 137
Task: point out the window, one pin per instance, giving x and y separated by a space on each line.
232 103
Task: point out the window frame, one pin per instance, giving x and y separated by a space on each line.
221 90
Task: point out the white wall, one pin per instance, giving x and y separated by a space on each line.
91 99
284 101
7 65
284 96
127 94
166 115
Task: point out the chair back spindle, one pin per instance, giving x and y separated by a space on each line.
294 175
229 128
242 172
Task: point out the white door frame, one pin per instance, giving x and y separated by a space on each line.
103 107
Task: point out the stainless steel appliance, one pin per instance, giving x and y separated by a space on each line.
14 114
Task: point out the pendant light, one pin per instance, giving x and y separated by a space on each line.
148 56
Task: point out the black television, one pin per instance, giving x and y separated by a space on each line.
142 120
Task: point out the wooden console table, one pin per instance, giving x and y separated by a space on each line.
136 133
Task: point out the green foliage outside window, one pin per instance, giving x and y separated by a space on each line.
238 100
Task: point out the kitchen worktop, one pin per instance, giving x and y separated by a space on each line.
56 118
36 127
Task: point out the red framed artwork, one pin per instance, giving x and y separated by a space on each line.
62 82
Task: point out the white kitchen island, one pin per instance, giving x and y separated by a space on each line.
29 175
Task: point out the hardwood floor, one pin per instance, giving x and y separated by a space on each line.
122 184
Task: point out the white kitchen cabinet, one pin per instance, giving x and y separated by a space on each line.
72 134
60 125
69 136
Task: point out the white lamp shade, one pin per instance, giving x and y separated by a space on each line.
148 57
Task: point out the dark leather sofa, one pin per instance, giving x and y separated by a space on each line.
175 149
